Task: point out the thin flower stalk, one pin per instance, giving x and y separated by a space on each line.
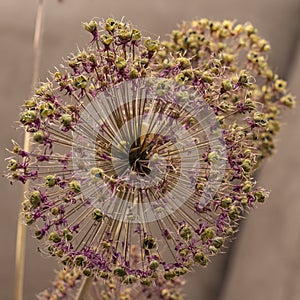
21 228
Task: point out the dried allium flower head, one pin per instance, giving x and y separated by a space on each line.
68 282
230 61
135 145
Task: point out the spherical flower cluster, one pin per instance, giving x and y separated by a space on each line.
148 145
230 61
68 281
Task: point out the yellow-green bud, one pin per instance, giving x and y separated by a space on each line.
233 213
28 218
80 260
97 215
28 117
66 120
151 45
149 243
185 232
226 85
91 26
120 63
130 279
39 136
55 210
12 165
80 81
120 271
54 237
96 173
225 202
218 242
67 234
135 35
50 181
200 258
75 186
87 272
154 264
110 24
35 199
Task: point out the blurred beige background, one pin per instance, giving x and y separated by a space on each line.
264 262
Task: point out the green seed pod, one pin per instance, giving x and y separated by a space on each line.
146 281
12 165
67 260
260 196
218 242
169 274
149 243
260 119
111 24
50 181
120 271
59 253
91 26
54 237
183 62
225 202
87 272
288 101
247 186
97 215
212 249
39 136
39 234
152 46
246 165
46 109
184 252
207 234
104 275
67 234
133 74
55 210
200 258
135 35
31 103
233 213
120 63
80 81
66 120
80 260
28 117
226 85
35 199
130 279
154 264
26 205
185 232
75 186
180 271
125 35
28 219
106 39
96 173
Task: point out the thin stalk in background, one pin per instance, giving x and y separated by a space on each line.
21 228
84 289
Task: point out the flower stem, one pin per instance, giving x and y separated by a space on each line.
21 229
85 286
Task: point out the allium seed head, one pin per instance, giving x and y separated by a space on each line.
143 152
